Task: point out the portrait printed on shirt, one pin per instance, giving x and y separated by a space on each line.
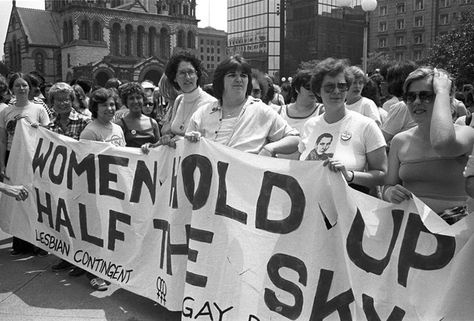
322 145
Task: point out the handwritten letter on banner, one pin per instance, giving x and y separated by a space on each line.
223 235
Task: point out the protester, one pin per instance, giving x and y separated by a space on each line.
184 69
34 113
398 117
355 101
428 159
66 121
138 128
102 129
259 84
4 93
286 92
354 143
81 104
305 105
238 120
371 91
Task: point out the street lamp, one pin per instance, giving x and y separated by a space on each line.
367 6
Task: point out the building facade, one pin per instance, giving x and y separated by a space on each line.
407 29
211 49
98 39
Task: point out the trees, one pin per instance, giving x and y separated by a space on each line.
454 51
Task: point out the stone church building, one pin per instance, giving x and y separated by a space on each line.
99 39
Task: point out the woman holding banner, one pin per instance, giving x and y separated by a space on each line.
428 159
34 113
344 140
238 120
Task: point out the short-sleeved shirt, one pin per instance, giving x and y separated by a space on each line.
256 125
33 112
398 119
111 134
348 140
366 107
75 125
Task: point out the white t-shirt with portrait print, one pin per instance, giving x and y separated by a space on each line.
352 138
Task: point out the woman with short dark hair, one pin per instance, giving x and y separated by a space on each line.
237 119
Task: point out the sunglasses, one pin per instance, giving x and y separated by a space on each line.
330 88
424 96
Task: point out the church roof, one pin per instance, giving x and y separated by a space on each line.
39 26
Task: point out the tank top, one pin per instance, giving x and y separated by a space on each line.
136 138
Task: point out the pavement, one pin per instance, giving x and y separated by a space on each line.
29 290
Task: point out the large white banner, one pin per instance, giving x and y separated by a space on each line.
224 235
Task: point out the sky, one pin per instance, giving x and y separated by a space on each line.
211 13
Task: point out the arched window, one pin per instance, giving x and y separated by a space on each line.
115 3
39 62
140 36
164 43
128 40
115 40
65 33
96 31
181 38
84 30
151 41
185 10
191 40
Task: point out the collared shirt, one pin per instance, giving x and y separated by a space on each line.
75 125
256 125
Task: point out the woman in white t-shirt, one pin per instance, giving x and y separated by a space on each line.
344 140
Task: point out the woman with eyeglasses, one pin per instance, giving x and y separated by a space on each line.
428 160
138 128
239 120
304 107
184 70
344 140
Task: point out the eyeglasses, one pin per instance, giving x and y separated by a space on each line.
183 73
330 88
424 96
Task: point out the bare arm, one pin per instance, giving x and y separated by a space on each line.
393 191
286 145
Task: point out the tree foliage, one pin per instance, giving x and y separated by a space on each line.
454 51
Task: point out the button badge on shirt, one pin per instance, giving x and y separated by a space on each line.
345 136
133 131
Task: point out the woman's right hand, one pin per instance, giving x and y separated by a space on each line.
396 194
193 136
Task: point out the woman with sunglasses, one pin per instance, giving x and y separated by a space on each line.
428 160
344 140
239 120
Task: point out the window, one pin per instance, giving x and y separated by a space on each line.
151 41
84 31
399 56
400 40
115 40
444 19
202 49
419 5
443 3
382 26
419 21
140 38
400 8
418 39
383 11
96 31
191 40
400 24
382 42
417 55
39 62
128 40
202 41
181 38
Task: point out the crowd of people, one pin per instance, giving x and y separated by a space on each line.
403 131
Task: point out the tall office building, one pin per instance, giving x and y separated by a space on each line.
253 28
407 29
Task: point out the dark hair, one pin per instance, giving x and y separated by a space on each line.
60 88
112 83
396 76
18 75
423 73
129 89
270 90
324 135
371 91
79 93
329 67
175 60
231 64
286 86
100 96
3 88
301 78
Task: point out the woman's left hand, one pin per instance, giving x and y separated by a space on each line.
441 82
337 166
